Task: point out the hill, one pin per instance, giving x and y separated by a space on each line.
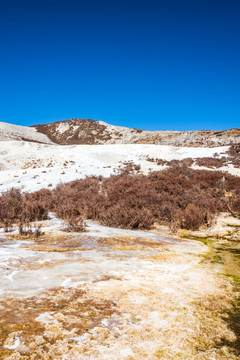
80 131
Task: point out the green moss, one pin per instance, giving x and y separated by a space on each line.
217 260
234 277
220 249
203 240
227 254
233 318
234 225
234 251
159 354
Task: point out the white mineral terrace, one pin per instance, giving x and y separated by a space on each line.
110 293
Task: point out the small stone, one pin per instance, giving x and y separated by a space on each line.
59 317
39 340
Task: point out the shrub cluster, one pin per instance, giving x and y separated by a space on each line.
177 196
130 168
75 201
235 206
234 154
19 209
209 162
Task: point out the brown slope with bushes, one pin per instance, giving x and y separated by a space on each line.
87 131
76 131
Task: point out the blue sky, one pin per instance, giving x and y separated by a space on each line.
145 64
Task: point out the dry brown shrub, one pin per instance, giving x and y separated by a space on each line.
191 218
211 162
10 208
176 196
120 216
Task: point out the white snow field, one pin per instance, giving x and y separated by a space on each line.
31 166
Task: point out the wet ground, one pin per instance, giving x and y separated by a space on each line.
115 294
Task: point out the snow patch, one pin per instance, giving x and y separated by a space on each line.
16 132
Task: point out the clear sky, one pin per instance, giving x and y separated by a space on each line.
147 64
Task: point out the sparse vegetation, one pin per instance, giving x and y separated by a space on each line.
178 196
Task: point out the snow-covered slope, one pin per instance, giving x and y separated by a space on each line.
30 158
31 166
16 132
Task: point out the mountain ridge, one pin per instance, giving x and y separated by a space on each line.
90 132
